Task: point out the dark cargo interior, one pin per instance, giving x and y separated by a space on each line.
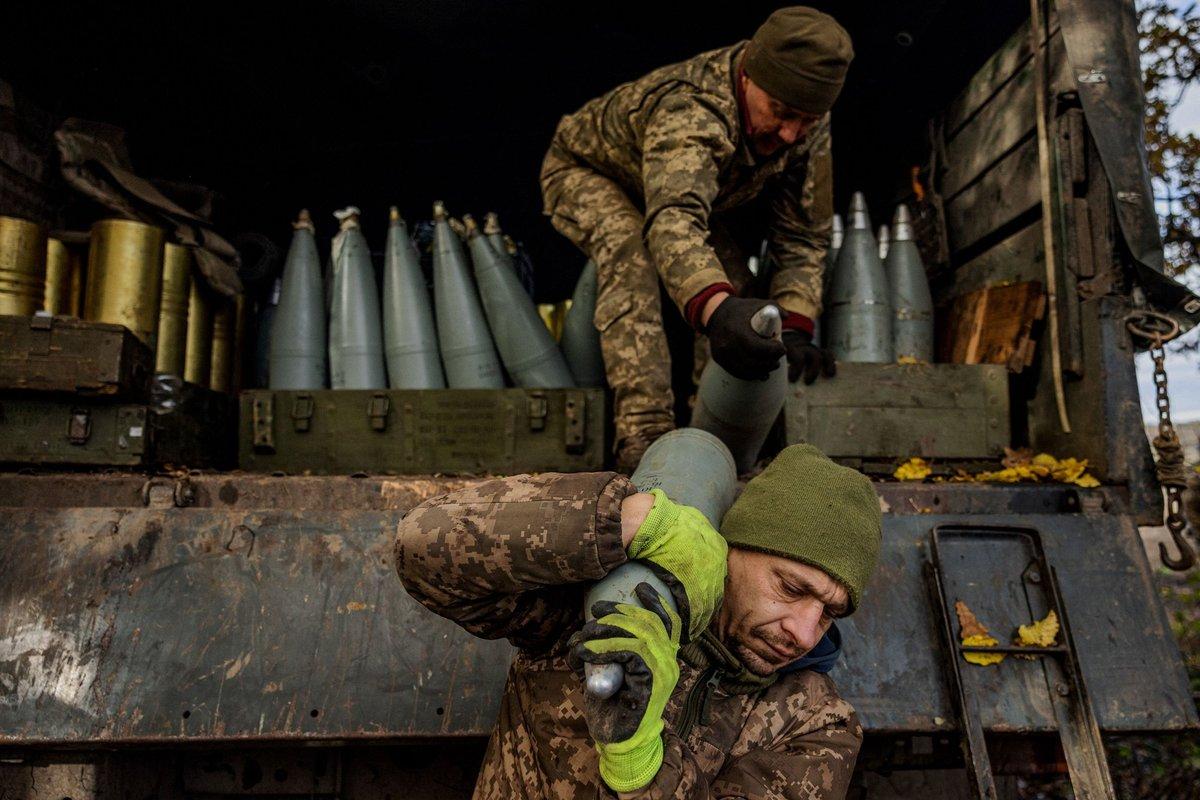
276 107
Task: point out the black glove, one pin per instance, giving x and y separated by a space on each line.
806 358
734 344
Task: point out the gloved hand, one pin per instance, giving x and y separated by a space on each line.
683 549
806 358
734 344
627 727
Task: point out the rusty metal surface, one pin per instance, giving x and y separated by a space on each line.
126 625
891 667
246 490
269 598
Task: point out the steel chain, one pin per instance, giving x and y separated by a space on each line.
1159 329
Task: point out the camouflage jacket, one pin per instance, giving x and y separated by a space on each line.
674 141
512 557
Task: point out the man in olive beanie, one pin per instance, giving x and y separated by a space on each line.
722 698
676 178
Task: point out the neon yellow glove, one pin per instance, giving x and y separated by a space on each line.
627 727
688 554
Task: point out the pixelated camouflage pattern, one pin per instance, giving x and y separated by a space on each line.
672 143
632 179
512 557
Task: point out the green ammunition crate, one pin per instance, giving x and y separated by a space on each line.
44 430
427 431
889 411
68 355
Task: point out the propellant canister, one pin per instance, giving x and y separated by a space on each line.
173 310
22 266
739 412
355 331
298 354
468 354
409 338
692 467
526 347
124 277
65 267
912 303
197 360
554 315
580 340
858 323
223 330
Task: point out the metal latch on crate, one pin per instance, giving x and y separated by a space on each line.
262 420
538 409
302 412
575 422
377 411
79 427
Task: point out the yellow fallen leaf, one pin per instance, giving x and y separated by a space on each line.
982 659
1086 481
1039 634
914 469
910 360
973 634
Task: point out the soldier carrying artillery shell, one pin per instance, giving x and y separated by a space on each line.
726 698
640 179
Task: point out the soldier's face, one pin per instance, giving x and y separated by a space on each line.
775 610
771 124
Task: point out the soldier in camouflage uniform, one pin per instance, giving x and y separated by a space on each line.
634 177
745 711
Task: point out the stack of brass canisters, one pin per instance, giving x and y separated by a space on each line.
124 277
223 329
22 266
66 264
197 364
173 309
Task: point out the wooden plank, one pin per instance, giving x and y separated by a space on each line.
1002 122
889 410
1018 258
1012 56
1005 191
992 326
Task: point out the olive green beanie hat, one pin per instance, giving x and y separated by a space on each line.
807 508
800 56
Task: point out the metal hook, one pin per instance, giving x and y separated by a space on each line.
1187 556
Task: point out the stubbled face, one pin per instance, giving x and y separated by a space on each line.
775 610
772 125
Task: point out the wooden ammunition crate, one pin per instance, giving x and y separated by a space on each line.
83 432
422 431
68 355
889 411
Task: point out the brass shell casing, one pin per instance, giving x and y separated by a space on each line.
198 354
124 277
223 330
22 266
241 321
173 309
65 268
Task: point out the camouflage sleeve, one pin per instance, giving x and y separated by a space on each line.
802 212
504 558
796 750
685 143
